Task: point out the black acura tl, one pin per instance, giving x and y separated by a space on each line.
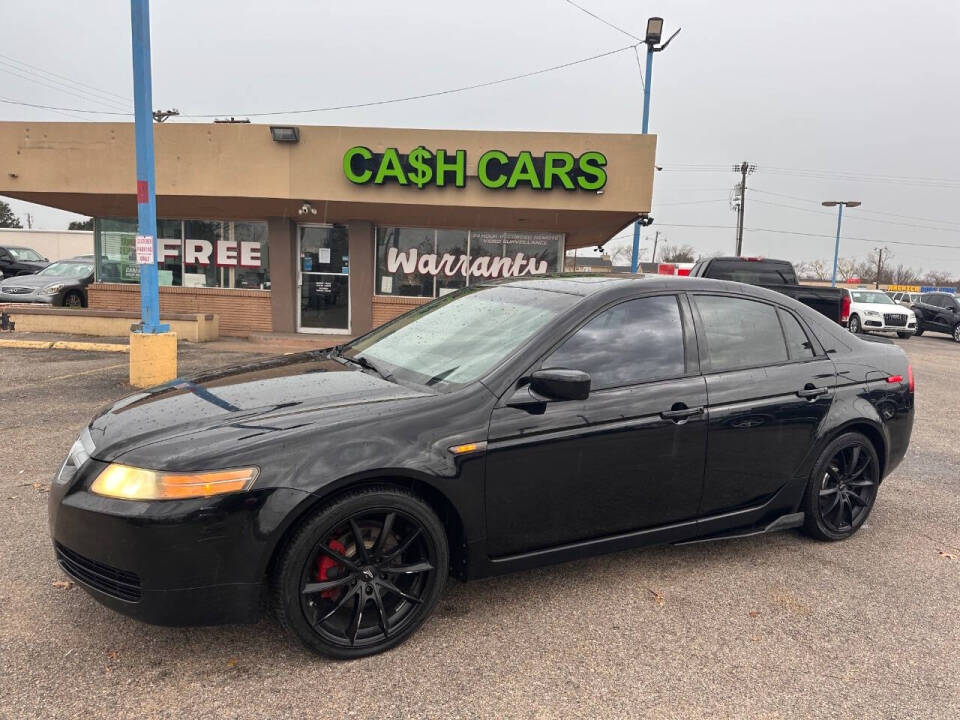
502 427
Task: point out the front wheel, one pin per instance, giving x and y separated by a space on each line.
842 488
362 574
904 335
956 333
854 324
73 299
919 330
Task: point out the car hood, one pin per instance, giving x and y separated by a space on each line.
36 281
289 391
882 308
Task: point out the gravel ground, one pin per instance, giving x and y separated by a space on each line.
774 627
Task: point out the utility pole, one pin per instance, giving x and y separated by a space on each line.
879 267
744 169
656 239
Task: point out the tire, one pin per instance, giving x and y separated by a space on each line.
73 299
842 488
853 325
904 335
956 333
392 602
919 331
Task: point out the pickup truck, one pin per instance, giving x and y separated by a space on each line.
776 275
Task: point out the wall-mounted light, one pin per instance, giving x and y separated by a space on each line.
285 133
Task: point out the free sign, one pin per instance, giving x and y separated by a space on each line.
223 253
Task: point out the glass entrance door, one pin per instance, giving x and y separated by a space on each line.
324 279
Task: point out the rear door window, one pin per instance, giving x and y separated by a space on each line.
634 342
740 333
798 344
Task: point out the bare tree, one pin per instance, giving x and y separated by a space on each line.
846 268
678 253
621 253
939 278
903 275
819 269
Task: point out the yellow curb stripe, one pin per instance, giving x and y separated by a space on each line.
29 344
64 345
90 346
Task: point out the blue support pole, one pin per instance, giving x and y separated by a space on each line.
635 257
836 247
146 197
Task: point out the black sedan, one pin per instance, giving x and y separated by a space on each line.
16 260
502 427
61 283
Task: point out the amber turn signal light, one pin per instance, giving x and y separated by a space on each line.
132 483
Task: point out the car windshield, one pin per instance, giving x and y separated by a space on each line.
24 254
875 297
460 337
67 270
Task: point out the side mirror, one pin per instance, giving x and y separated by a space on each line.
561 384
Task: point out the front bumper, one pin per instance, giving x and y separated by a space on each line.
875 324
28 298
173 562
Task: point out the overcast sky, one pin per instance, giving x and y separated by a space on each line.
838 99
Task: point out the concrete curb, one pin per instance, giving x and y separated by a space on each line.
64 345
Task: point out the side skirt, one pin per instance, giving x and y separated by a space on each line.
784 522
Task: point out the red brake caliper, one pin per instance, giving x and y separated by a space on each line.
325 563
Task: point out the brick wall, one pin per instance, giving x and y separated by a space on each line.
386 308
241 311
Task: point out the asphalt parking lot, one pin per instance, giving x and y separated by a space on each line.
771 627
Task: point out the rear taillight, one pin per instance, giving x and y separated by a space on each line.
845 308
910 383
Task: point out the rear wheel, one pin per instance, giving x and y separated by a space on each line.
842 488
854 324
363 574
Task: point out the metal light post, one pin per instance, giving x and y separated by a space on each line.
651 40
836 248
146 245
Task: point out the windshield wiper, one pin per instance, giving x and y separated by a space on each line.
367 365
441 376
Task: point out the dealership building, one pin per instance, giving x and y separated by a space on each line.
332 230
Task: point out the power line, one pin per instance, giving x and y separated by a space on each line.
422 96
53 85
856 217
372 103
64 77
605 22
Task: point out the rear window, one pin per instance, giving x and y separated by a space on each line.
740 333
752 272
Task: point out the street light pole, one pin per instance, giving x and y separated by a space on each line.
146 242
654 33
836 247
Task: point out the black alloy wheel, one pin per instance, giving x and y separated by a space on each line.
842 488
363 573
73 299
854 324
919 331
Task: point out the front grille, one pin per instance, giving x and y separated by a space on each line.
895 319
109 580
17 290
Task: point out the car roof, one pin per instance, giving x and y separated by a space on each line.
17 247
622 284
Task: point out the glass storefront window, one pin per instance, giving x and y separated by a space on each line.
421 262
190 253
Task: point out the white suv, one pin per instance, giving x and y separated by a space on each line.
875 311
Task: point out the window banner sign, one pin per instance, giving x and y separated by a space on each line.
496 169
422 262
932 288
903 288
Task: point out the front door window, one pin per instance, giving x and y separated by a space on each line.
324 279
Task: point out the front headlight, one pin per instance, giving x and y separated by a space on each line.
871 312
131 483
52 289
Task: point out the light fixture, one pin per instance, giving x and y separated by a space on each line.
845 203
285 133
654 30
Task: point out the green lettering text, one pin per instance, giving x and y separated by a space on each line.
348 156
390 167
592 175
483 171
557 165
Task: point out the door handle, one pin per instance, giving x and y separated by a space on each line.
681 412
811 392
